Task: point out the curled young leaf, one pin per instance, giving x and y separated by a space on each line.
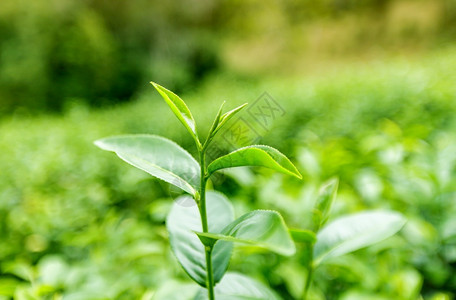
326 198
262 228
221 120
256 155
228 115
157 156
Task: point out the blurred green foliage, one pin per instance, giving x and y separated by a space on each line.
99 52
74 222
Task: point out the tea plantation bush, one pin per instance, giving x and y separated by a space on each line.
77 223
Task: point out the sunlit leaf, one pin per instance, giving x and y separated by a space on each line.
179 108
157 156
235 286
256 155
262 228
350 233
182 222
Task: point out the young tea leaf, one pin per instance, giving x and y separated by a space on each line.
227 116
256 155
262 228
350 233
216 122
182 222
235 286
179 108
325 199
157 156
220 120
303 235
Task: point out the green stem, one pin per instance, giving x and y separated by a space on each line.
310 270
203 213
307 284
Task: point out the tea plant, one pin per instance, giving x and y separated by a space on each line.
201 235
201 224
344 235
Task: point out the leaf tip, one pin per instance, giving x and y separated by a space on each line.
297 175
158 87
99 143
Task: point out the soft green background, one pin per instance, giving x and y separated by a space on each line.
368 92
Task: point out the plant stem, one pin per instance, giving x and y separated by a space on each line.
310 270
203 213
307 284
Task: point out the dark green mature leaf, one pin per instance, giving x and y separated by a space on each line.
235 286
157 156
350 233
262 228
256 155
182 222
179 108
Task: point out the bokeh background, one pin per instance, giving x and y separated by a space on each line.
369 95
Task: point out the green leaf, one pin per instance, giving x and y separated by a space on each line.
235 286
157 156
220 120
303 235
179 108
175 290
350 233
228 115
184 220
262 228
256 155
326 198
216 122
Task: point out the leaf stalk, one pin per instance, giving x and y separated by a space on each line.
203 214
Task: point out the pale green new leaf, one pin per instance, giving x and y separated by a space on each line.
350 233
228 115
179 108
235 286
182 222
262 228
221 120
157 156
256 155
326 198
216 122
303 235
